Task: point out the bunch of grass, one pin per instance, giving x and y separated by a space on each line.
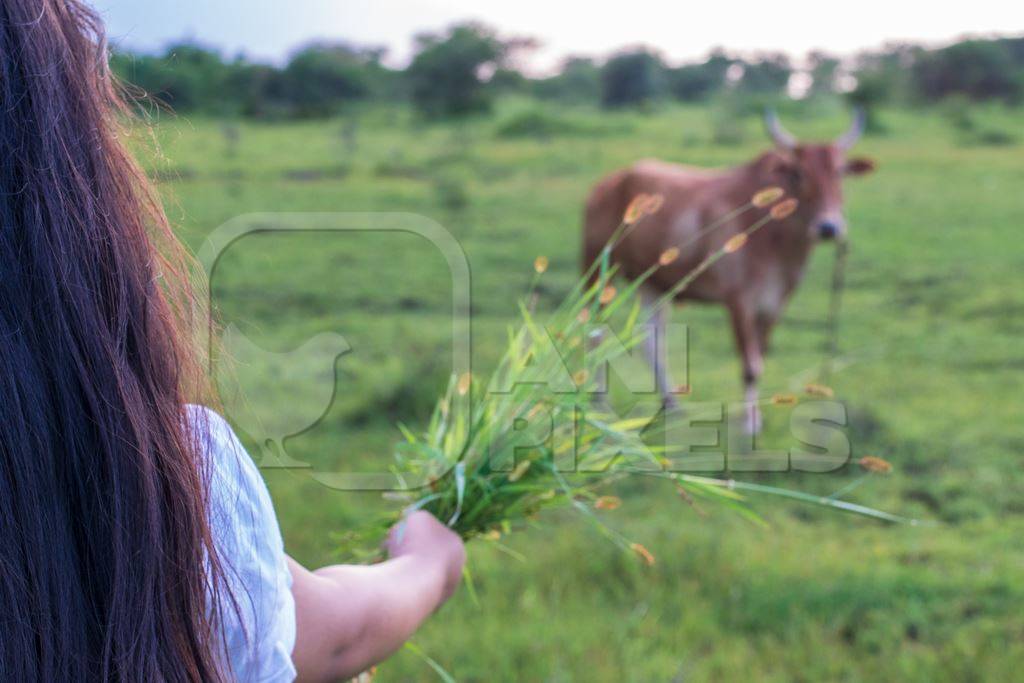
499 453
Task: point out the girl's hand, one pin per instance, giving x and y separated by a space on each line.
422 536
349 617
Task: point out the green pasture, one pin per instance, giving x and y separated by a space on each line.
932 375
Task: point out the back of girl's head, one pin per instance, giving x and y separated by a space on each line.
106 563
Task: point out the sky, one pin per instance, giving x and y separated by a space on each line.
681 30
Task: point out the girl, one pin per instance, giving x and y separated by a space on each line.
137 540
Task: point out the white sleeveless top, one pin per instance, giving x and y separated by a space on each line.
259 635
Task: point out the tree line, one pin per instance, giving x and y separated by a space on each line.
461 70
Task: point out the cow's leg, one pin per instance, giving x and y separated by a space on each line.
599 398
745 329
765 323
656 346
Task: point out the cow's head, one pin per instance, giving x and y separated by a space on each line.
813 173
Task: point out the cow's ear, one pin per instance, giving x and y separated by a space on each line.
859 166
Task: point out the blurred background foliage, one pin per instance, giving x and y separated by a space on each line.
461 70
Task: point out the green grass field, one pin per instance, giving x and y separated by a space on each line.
931 330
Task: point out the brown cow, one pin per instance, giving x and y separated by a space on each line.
754 283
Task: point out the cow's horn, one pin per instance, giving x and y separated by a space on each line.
850 137
780 135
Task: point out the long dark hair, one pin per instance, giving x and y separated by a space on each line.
107 568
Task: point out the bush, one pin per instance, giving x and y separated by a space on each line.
186 77
579 80
320 78
451 192
978 69
957 110
697 82
631 78
994 137
317 81
444 76
259 91
536 123
873 89
767 75
961 114
727 125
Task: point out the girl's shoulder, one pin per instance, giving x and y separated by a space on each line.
224 457
259 617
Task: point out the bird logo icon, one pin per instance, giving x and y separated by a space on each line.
251 381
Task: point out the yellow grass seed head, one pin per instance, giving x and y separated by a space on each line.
767 197
607 294
653 204
580 378
784 399
668 256
735 243
643 553
784 209
635 210
642 205
875 464
608 503
819 390
465 381
688 499
366 676
519 470
492 535
540 264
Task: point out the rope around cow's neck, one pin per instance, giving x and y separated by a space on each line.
835 302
